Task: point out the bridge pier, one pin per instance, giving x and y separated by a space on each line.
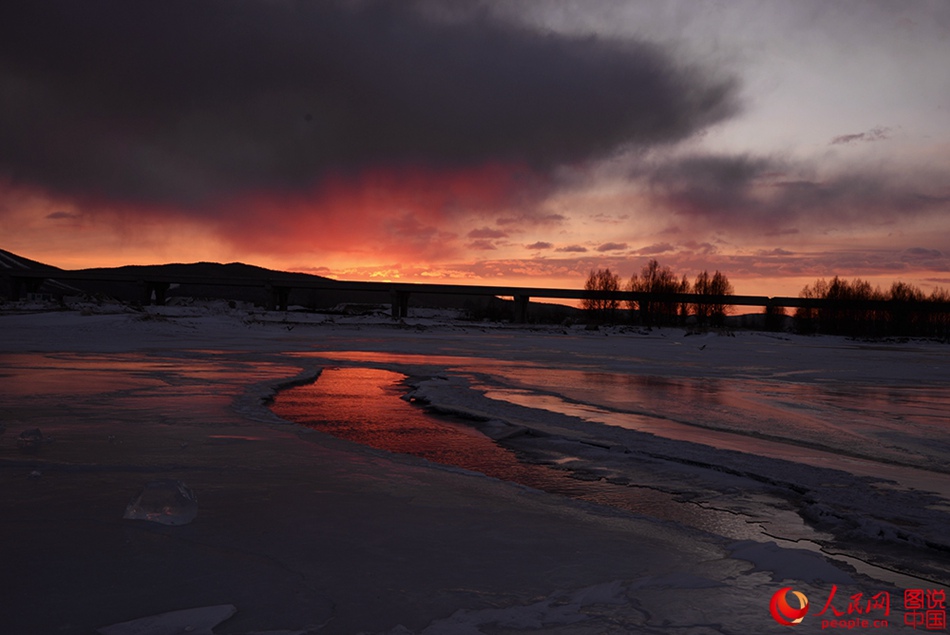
521 308
400 301
22 286
158 289
277 297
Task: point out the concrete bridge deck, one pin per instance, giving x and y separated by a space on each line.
278 287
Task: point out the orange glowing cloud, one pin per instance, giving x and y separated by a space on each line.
409 213
414 217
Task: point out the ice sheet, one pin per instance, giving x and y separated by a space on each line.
304 532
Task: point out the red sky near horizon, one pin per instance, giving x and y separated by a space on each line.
422 142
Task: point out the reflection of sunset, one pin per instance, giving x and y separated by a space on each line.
363 405
119 373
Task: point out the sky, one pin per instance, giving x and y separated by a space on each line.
522 143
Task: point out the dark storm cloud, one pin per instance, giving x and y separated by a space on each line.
775 197
185 101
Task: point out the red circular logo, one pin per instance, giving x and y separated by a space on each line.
783 612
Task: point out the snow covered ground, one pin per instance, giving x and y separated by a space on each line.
304 532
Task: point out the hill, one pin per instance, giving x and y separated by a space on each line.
11 263
238 282
232 281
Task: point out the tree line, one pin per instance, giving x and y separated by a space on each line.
840 307
858 309
658 281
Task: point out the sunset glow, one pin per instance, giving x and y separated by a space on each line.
522 143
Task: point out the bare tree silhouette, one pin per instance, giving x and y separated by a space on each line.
719 286
655 279
597 308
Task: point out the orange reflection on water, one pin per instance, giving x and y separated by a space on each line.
84 373
363 405
31 374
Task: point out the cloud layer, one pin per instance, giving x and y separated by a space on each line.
764 195
187 103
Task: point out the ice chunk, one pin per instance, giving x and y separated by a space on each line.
164 501
198 621
30 440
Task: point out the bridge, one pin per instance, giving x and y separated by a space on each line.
279 285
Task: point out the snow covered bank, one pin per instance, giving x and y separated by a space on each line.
852 512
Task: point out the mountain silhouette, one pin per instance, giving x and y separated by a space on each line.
236 281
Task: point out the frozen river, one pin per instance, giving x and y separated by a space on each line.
857 471
642 481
